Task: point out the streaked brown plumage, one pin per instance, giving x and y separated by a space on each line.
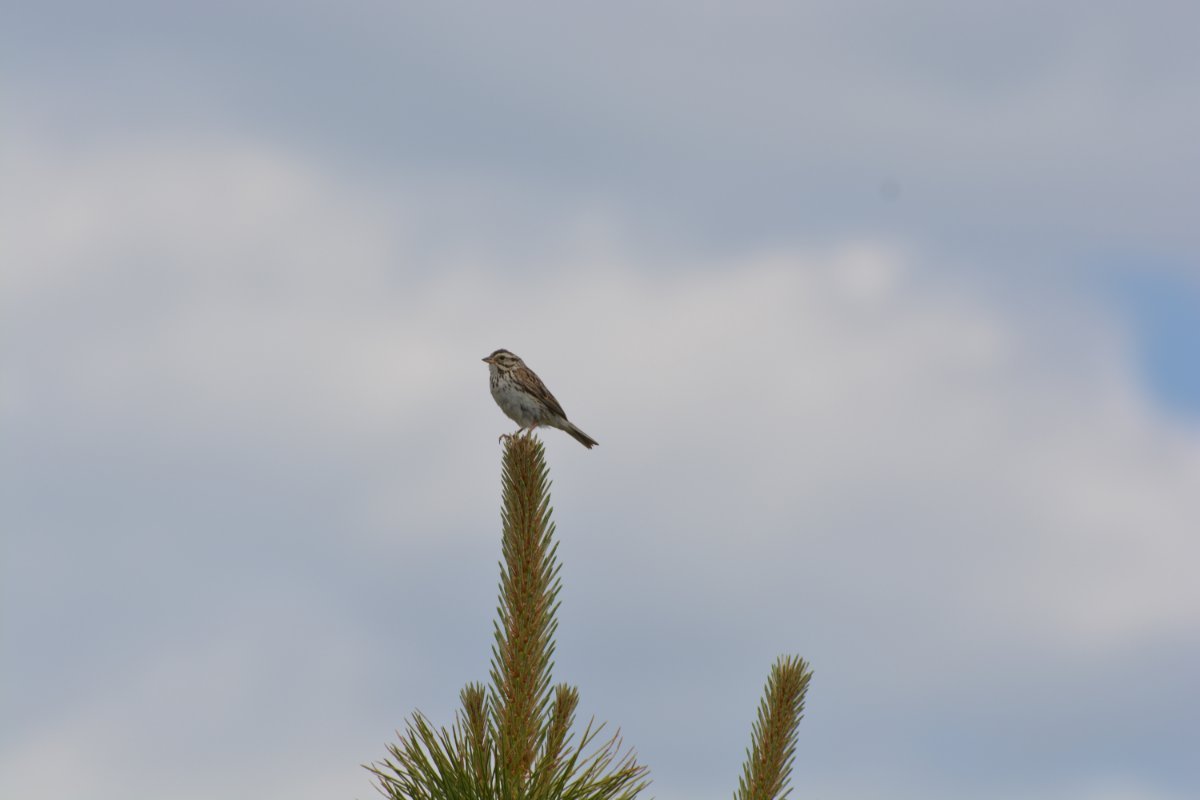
523 397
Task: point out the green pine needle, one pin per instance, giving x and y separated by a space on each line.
513 740
773 739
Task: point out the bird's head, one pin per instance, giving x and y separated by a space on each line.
503 360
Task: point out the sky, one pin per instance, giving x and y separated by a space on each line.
886 319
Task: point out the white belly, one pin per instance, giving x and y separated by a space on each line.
518 406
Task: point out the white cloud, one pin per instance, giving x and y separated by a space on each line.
230 712
913 448
844 378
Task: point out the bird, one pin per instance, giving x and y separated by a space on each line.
523 397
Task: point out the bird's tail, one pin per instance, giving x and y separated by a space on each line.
579 435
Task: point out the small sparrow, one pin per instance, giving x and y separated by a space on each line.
523 397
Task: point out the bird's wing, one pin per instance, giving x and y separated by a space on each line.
526 377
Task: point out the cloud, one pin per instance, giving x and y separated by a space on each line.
923 484
734 125
227 712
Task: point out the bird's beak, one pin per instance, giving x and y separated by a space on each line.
487 360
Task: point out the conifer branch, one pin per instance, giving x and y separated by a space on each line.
773 739
476 734
524 633
512 740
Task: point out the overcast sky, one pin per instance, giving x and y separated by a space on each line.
886 318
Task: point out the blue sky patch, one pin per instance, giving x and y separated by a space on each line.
1165 310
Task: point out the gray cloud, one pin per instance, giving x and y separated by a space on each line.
1039 135
251 440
